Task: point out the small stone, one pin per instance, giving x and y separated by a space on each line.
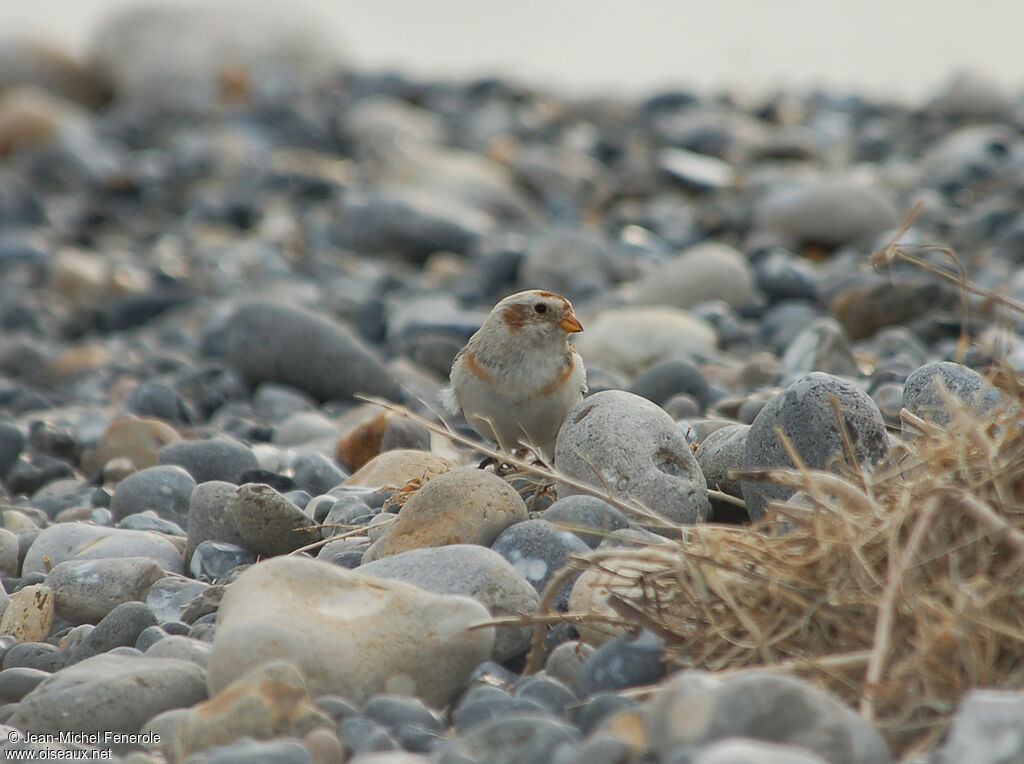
602 706
571 262
137 439
462 506
549 692
588 517
160 401
822 346
80 541
317 474
216 459
538 551
987 728
761 706
351 635
12 441
863 309
120 627
208 519
165 490
212 559
85 591
512 738
566 660
17 682
483 704
29 615
396 469
404 434
268 523
362 736
9 554
718 453
754 752
708 271
628 340
112 693
670 377
805 413
169 596
625 444
39 656
626 661
828 212
922 398
271 342
473 571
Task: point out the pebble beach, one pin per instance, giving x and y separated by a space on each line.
214 548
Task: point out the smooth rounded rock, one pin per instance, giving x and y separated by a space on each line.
708 271
268 523
165 490
215 459
739 751
822 346
9 554
40 656
208 519
473 571
805 413
538 551
462 506
627 661
109 693
696 708
170 595
922 398
628 340
622 443
351 635
118 628
673 376
278 343
588 517
514 738
986 728
79 541
719 453
829 212
395 469
17 682
29 614
137 439
212 559
85 591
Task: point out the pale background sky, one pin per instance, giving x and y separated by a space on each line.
905 48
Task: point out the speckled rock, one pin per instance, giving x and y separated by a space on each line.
696 708
822 346
473 571
539 550
165 490
462 506
113 693
268 701
208 519
28 616
630 446
708 271
86 590
351 635
268 523
397 468
804 412
922 398
588 517
628 340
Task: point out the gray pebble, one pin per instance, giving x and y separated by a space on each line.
588 517
109 692
512 738
169 596
212 559
208 518
564 662
362 735
483 704
156 399
822 346
987 729
12 440
539 550
18 681
405 434
316 473
670 377
148 521
215 459
717 454
921 395
277 343
280 751
552 694
626 661
601 706
85 591
392 711
34 655
164 490
120 627
804 412
268 523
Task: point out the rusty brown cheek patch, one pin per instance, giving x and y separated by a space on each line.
516 316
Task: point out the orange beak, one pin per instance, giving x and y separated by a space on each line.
571 324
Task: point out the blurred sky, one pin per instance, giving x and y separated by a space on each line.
904 48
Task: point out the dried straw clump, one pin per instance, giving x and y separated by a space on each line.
899 590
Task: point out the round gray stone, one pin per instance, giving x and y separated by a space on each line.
214 459
208 519
588 517
539 550
268 523
165 490
622 443
804 412
721 451
85 591
118 628
921 394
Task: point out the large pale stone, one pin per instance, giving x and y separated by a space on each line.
351 635
396 468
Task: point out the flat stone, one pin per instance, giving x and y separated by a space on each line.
85 591
708 271
588 517
268 523
118 628
215 459
165 490
208 519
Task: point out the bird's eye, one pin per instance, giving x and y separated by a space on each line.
540 308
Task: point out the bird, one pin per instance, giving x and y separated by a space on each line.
517 377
